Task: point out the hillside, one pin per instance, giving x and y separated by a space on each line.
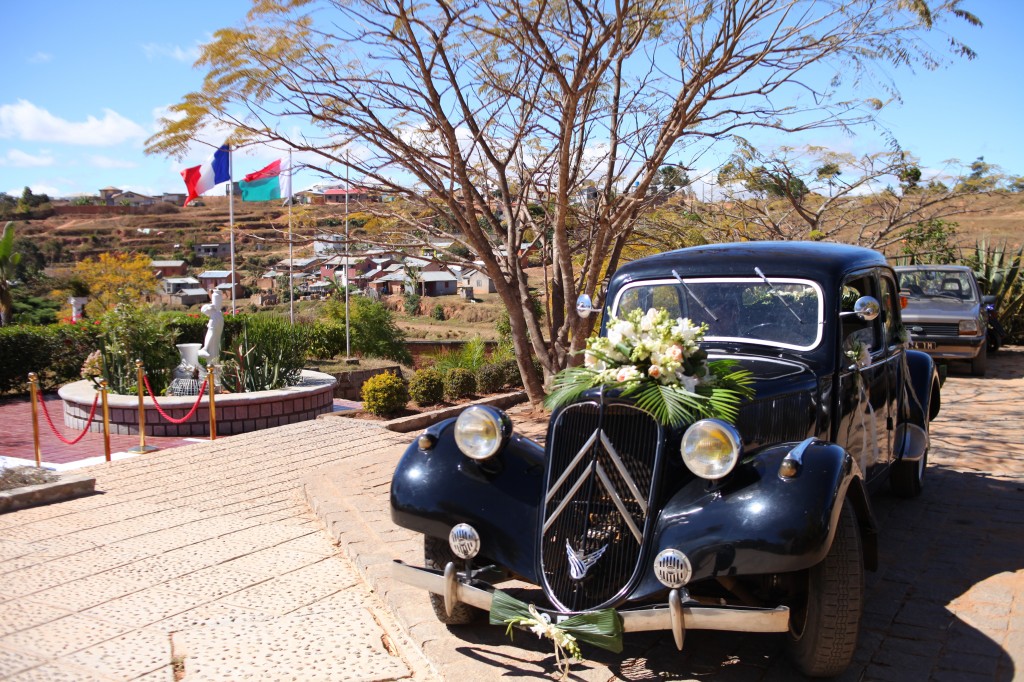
259 230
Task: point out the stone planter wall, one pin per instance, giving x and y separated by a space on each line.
236 412
350 384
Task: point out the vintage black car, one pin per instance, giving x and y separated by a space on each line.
761 526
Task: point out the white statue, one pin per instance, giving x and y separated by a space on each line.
210 352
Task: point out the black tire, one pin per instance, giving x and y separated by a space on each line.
437 554
979 365
824 626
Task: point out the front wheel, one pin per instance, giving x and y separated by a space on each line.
825 621
437 554
979 365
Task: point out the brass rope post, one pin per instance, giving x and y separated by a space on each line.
33 390
212 383
106 419
140 380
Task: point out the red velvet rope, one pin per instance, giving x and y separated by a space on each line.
166 416
62 439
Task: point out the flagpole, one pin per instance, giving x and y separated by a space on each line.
348 189
291 298
231 224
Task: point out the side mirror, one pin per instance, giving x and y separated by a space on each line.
867 308
988 299
585 306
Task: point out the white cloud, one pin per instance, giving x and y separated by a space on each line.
36 188
107 162
26 121
187 55
20 159
40 58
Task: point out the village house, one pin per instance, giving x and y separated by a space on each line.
169 268
172 285
213 250
219 279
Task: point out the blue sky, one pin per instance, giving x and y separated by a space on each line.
84 83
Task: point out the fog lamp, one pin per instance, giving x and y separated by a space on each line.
464 541
711 448
672 568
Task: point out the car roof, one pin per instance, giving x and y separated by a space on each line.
943 268
813 260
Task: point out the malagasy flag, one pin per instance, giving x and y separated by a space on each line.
266 184
215 170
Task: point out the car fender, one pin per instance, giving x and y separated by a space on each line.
922 380
435 489
757 521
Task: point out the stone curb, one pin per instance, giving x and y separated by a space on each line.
417 422
68 487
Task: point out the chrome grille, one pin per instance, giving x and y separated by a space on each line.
934 329
776 420
601 476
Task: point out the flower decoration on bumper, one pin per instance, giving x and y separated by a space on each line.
657 361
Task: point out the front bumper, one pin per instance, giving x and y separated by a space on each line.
678 615
947 348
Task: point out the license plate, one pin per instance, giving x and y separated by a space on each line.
922 345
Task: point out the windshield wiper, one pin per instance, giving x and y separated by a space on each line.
694 296
777 294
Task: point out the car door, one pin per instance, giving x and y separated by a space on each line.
864 379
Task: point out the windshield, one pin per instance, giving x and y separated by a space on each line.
736 309
935 283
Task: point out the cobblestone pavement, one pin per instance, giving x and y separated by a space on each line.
946 604
204 558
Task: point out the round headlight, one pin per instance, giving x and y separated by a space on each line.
711 448
479 432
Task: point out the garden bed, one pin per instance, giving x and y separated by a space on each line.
415 418
22 487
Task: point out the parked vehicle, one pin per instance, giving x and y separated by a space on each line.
762 525
945 313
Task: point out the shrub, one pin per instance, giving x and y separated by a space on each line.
490 378
426 387
470 356
510 370
385 394
326 340
411 303
438 313
269 354
130 334
373 331
459 383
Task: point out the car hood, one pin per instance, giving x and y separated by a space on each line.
939 310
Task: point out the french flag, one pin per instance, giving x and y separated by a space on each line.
203 178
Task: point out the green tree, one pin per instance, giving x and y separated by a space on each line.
9 260
475 109
816 193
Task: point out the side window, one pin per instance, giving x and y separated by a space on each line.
889 308
856 330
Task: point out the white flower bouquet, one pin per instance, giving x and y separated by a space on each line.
657 361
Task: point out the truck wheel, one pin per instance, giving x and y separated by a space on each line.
980 363
825 622
437 554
